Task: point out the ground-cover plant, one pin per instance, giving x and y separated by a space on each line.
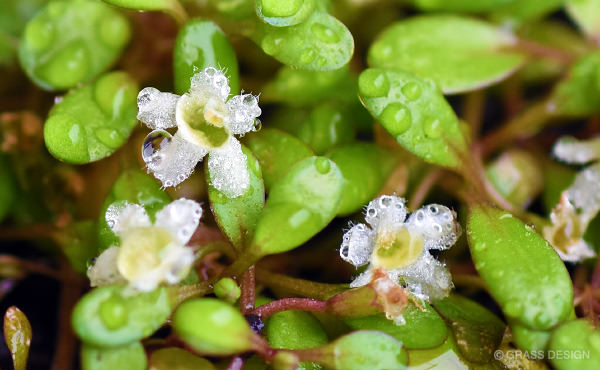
300 184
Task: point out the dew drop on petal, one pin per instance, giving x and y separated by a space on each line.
153 143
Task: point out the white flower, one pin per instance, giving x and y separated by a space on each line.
402 246
149 253
206 123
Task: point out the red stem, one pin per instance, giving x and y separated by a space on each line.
248 291
284 304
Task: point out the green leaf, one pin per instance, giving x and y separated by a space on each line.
578 95
213 327
79 243
17 336
171 7
133 186
523 272
459 53
14 15
321 43
328 126
57 58
284 13
578 341
365 168
110 316
202 44
234 9
227 290
277 152
237 217
423 329
445 356
477 331
517 12
463 6
130 356
557 178
528 339
93 121
173 358
415 113
300 205
295 330
586 14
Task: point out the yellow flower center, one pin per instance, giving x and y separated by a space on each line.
201 119
142 250
396 248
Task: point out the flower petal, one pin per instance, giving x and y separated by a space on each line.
181 217
437 224
156 109
243 110
427 278
227 169
571 150
104 271
122 216
389 209
210 81
174 162
362 279
357 245
584 194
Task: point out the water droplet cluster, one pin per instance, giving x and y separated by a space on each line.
243 110
156 109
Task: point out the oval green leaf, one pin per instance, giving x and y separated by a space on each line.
237 217
459 53
171 7
523 272
415 113
91 122
277 152
580 345
202 44
110 316
131 357
284 13
173 358
578 95
17 336
300 205
328 126
528 339
57 58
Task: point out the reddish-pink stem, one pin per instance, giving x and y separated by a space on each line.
284 304
248 291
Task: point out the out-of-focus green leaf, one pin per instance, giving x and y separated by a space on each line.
130 356
578 94
174 358
284 13
586 14
580 340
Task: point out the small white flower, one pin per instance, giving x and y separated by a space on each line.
206 123
401 246
149 253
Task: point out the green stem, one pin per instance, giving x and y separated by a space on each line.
305 288
177 11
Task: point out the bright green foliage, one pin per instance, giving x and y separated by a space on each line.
524 274
423 329
91 122
277 152
112 316
14 14
283 13
586 14
295 330
234 9
477 331
79 243
459 53
130 356
328 126
365 168
529 339
576 337
237 217
321 43
174 358
57 58
578 94
202 44
227 289
365 350
133 186
517 11
212 327
17 336
415 113
465 6
300 205
8 187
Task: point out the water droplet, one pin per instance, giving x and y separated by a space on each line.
513 308
371 212
324 33
109 137
323 165
111 223
154 142
257 124
373 83
321 61
432 128
411 90
308 55
271 44
396 118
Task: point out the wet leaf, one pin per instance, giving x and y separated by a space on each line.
111 316
93 121
130 356
277 152
300 205
327 126
321 43
477 331
237 217
173 358
423 329
528 339
578 94
17 336
56 58
202 44
586 14
579 343
523 272
415 113
459 53
284 13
